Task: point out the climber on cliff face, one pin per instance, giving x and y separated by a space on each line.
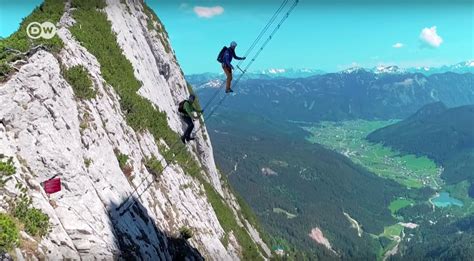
186 108
225 58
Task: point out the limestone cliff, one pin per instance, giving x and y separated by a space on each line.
48 130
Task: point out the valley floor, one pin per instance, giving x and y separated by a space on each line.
348 138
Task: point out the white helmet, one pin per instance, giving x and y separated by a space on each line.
233 44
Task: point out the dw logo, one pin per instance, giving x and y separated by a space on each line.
46 30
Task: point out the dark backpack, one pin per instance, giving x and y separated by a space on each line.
181 106
220 57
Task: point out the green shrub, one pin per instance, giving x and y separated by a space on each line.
5 69
150 13
50 10
7 169
88 4
149 24
154 166
87 162
225 240
84 122
151 16
122 160
36 222
8 233
228 222
248 214
78 77
186 233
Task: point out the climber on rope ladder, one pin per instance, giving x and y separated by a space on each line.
186 109
225 58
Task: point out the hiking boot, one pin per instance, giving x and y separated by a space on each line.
229 90
190 139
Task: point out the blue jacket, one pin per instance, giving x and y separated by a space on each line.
228 55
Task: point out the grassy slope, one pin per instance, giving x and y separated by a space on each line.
95 33
348 138
399 204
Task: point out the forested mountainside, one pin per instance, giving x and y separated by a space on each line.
294 187
446 135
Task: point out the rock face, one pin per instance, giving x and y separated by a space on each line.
48 131
317 235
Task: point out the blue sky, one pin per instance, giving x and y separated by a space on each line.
327 35
12 12
323 36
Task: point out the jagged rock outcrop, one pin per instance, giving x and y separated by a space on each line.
49 131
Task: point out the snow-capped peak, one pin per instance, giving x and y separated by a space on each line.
353 69
287 72
212 84
387 69
274 71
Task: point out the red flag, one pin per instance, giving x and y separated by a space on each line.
52 185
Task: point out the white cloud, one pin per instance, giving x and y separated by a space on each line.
430 37
208 12
398 45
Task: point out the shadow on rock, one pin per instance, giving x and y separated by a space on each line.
138 237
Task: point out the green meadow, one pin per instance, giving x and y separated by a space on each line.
348 138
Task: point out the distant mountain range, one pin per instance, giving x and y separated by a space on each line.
288 73
215 79
350 94
462 67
